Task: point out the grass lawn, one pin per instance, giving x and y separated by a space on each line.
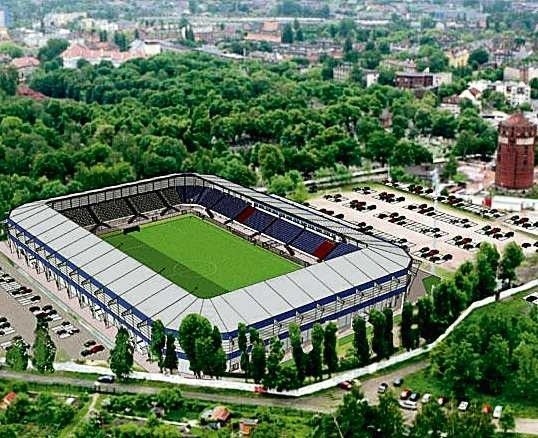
429 282
199 256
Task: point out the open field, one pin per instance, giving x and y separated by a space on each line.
200 257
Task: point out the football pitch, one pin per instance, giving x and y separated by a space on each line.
199 256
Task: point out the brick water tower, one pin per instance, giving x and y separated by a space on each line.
515 153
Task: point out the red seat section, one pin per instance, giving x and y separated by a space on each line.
245 214
324 249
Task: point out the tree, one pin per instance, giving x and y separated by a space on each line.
425 321
526 377
12 50
258 361
379 146
43 350
389 416
431 418
299 356
487 261
496 366
450 168
406 332
157 343
511 259
121 356
8 80
478 57
389 336
459 366
17 356
315 358
242 344
287 34
194 327
276 354
330 357
379 345
52 50
360 341
271 161
170 358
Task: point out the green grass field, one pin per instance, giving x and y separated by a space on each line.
199 256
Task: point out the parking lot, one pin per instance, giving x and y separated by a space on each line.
21 306
442 236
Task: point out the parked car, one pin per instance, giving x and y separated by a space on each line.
106 379
90 343
405 394
398 382
382 388
426 398
441 401
97 348
463 406
85 353
408 404
346 385
497 412
414 397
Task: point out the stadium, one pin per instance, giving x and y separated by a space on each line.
166 247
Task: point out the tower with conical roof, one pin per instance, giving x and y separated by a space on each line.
515 153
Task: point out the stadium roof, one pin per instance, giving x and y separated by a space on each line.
158 298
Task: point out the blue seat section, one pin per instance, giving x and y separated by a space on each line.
308 242
341 249
190 194
283 231
259 220
229 206
209 197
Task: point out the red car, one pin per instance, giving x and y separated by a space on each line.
346 385
96 348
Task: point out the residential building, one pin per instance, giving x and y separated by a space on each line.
371 78
515 93
413 80
407 65
25 66
77 51
515 153
525 73
8 400
342 72
457 57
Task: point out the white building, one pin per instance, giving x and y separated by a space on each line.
515 93
525 73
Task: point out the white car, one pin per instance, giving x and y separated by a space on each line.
463 406
426 398
408 404
497 412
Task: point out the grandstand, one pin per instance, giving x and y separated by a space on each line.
344 270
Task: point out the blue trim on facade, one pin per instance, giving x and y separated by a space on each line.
261 324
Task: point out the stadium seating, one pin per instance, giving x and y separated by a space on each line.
79 215
229 206
210 197
191 194
283 231
114 209
324 249
147 202
308 241
340 250
245 214
171 196
259 220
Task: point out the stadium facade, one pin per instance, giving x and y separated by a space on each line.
351 270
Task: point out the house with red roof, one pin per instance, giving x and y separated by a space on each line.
25 66
8 400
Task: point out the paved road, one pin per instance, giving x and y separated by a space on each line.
326 401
